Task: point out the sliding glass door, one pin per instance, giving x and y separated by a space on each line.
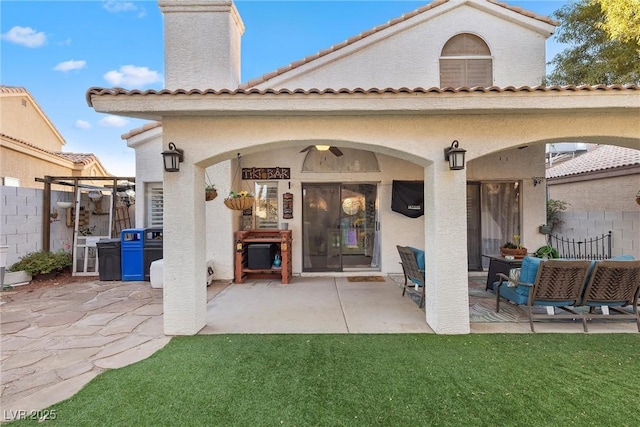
339 227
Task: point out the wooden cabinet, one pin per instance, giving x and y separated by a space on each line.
281 238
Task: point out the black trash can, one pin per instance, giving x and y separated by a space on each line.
109 259
152 249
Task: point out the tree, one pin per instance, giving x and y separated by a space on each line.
594 56
622 19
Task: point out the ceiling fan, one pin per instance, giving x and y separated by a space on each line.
335 150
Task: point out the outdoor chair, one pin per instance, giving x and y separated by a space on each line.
613 284
558 284
413 274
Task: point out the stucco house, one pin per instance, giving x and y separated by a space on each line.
391 100
31 146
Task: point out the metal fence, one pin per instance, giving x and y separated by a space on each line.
592 248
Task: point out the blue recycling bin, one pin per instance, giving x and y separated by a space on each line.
132 248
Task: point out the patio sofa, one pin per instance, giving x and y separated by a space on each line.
570 284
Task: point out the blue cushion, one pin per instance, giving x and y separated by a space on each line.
529 269
623 258
511 294
419 253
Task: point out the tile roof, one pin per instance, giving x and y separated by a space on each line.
374 30
84 159
96 91
604 157
138 131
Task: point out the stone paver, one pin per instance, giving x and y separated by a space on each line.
54 341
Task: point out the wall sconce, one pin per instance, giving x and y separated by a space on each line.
172 158
455 156
537 180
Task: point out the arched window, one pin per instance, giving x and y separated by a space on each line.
466 61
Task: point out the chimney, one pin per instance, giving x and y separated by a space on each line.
201 44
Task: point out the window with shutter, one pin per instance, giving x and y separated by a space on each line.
155 204
466 61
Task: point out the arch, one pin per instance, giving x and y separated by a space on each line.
466 60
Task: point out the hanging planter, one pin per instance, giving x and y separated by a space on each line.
239 201
210 193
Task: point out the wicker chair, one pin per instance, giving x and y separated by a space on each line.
613 284
413 275
558 284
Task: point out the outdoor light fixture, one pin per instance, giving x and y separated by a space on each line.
323 147
455 156
537 180
172 158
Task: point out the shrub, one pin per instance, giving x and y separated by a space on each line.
42 262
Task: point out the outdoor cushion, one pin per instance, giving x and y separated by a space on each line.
419 257
529 269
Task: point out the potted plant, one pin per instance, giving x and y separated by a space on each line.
546 252
42 263
515 250
239 201
210 192
554 209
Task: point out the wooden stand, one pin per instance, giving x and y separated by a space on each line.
280 237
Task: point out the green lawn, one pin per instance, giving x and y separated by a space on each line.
369 380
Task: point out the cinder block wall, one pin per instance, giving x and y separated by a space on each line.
21 223
624 227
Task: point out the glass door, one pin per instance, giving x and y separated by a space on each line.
339 227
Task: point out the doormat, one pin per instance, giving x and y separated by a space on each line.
365 279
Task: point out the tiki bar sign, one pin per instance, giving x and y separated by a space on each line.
266 173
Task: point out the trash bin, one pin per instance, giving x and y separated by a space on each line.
132 241
109 267
152 249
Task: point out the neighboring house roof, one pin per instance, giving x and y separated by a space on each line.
21 91
605 157
97 91
374 30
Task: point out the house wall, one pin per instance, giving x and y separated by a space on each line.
21 223
509 165
22 119
414 47
26 167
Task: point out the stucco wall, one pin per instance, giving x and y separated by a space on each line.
414 46
26 168
21 223
26 122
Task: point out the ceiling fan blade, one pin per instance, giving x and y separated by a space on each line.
306 149
336 151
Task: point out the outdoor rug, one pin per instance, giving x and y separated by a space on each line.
365 279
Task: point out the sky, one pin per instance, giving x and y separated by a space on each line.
57 50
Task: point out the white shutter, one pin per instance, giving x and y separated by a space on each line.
155 204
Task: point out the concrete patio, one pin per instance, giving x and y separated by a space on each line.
56 339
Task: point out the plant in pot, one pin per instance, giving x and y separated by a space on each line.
240 200
210 192
554 209
546 252
515 250
43 263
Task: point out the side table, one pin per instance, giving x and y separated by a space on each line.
499 264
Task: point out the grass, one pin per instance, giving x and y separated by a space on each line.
369 380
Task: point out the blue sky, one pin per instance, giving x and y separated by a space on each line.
59 49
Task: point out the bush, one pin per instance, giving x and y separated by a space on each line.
43 262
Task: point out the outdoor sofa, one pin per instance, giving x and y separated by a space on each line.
577 287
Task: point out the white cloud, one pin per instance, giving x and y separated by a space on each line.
70 65
124 7
132 76
82 124
25 36
113 122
